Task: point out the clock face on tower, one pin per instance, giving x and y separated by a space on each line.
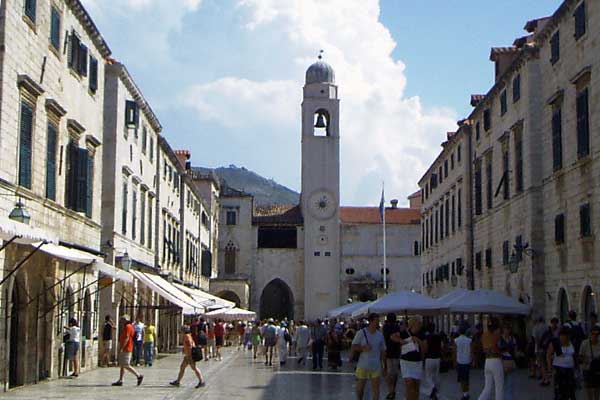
322 204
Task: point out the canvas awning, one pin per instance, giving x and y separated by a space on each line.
209 301
169 292
482 301
346 310
113 271
24 233
401 302
232 314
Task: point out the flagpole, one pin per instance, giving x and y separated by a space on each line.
384 242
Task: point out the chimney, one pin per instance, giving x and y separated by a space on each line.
394 204
183 156
503 58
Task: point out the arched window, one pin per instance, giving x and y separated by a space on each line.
589 304
230 258
563 306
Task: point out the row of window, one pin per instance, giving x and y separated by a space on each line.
487 113
585 224
442 221
192 247
132 121
171 252
582 128
579 19
79 179
443 171
146 209
443 273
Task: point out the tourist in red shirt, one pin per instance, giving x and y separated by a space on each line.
219 338
125 349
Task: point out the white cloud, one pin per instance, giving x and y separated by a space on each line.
384 135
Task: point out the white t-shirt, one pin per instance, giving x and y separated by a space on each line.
74 333
463 349
302 336
138 328
566 359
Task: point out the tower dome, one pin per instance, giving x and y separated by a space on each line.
320 72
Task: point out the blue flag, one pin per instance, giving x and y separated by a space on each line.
382 205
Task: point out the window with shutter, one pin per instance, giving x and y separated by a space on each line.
82 176
506 164
579 16
151 149
89 188
453 214
25 145
442 221
585 224
440 174
559 229
458 153
478 260
503 103
134 213
556 139
71 181
144 139
518 162
519 247
516 85
51 145
478 199
489 183
583 127
231 218
427 233
505 252
74 52
437 214
150 224
555 47
124 203
55 26
142 217
447 221
445 168
93 74
83 59
487 120
459 209
488 257
30 9
131 114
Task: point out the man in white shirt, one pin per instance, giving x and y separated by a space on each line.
138 340
302 341
463 361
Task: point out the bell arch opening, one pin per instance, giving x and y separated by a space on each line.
277 301
321 120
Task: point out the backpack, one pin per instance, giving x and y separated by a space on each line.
286 336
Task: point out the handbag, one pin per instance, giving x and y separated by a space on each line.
509 365
409 347
197 353
356 354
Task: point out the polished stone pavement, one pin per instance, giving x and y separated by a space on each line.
237 377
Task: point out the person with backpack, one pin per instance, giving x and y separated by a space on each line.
191 354
563 358
369 343
589 355
283 339
577 332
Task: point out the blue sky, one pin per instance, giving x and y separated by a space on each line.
225 76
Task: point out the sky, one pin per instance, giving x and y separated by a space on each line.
225 77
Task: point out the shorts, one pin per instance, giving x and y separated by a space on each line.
463 372
270 342
411 369
210 342
202 341
107 345
393 366
219 341
124 359
71 350
362 373
187 360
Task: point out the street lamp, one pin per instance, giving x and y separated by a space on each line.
516 256
20 213
125 261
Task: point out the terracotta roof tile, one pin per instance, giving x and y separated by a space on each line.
476 99
370 215
277 214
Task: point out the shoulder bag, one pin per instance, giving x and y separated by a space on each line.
356 354
592 375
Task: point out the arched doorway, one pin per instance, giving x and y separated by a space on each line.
589 304
14 378
230 296
277 301
563 306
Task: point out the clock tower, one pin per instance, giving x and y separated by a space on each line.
320 199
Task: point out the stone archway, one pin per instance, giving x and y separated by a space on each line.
277 301
588 305
230 296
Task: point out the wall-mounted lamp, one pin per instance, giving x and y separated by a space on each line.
20 213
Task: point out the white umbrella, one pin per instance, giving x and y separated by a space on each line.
482 301
232 314
401 302
345 310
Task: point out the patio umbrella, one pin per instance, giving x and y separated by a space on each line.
345 310
482 301
401 302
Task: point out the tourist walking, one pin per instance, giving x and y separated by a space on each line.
432 360
334 349
302 341
493 369
283 338
107 340
211 344
256 338
138 340
464 358
589 356
72 345
508 346
539 329
551 334
562 356
370 344
413 347
577 333
219 329
270 337
392 353
149 344
188 360
125 350
318 336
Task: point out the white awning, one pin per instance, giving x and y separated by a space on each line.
169 292
112 271
25 234
208 300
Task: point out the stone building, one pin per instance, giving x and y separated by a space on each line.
51 125
301 260
534 169
446 226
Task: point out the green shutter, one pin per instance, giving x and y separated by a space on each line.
51 162
557 139
89 188
93 74
71 184
583 127
124 210
83 59
81 173
55 29
74 52
30 6
25 145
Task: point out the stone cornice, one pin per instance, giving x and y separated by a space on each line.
90 27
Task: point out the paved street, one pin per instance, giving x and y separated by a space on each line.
236 377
